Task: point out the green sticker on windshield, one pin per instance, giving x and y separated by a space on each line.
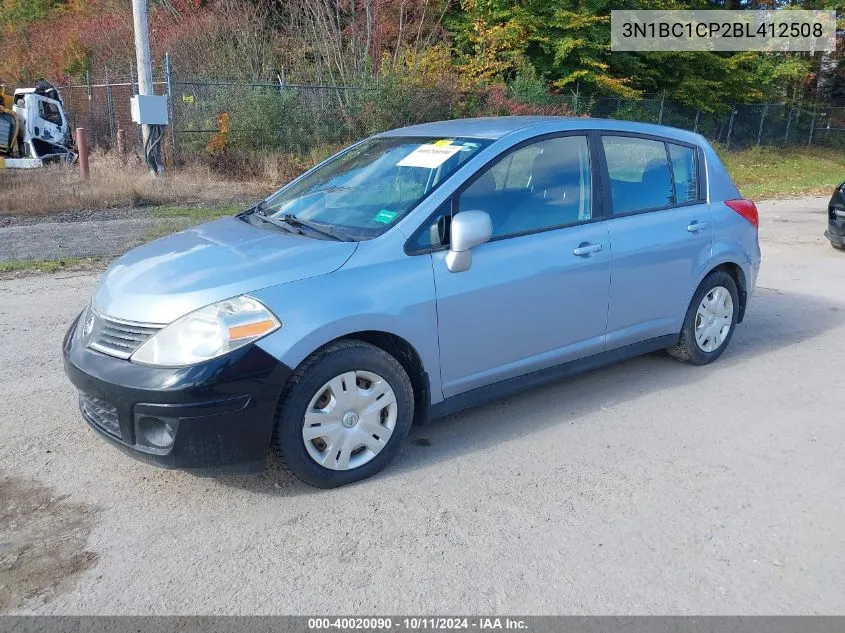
385 217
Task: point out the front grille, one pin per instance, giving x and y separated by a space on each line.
118 338
101 414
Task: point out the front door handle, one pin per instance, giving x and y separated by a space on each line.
586 248
696 226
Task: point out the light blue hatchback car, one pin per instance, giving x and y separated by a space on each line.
416 273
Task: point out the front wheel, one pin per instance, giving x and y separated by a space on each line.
710 320
344 414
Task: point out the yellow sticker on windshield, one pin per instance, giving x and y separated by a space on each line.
442 142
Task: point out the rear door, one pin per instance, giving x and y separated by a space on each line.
660 233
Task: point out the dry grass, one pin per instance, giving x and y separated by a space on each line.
760 173
59 188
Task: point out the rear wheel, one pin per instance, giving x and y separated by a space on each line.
344 415
710 320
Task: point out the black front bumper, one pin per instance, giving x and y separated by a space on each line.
836 233
835 226
836 217
219 414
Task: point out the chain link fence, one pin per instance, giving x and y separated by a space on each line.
209 117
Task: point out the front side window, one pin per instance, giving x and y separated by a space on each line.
639 173
539 186
50 112
362 192
434 233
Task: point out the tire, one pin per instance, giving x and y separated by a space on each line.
688 349
309 395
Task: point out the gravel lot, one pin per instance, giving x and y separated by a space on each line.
79 234
57 240
648 487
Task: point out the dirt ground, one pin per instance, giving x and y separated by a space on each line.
648 487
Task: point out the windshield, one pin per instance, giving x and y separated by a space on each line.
360 193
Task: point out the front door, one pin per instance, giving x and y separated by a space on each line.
536 295
45 123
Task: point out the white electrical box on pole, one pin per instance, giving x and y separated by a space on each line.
146 106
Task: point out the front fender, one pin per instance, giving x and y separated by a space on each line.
395 297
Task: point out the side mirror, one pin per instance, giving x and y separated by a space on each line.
469 229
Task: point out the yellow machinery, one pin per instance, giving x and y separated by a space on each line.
8 126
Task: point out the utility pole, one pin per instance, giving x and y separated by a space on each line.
145 76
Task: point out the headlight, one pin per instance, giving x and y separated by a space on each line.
85 324
207 333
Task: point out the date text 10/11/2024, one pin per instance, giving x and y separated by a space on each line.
417 623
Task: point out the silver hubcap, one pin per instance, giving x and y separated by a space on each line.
349 420
713 319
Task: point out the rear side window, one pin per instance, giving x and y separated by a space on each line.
639 173
684 172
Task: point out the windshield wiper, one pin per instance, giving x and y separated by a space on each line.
290 218
291 224
280 223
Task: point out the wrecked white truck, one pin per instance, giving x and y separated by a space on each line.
34 128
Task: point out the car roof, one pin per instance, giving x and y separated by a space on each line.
494 128
481 127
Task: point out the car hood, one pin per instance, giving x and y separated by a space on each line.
169 277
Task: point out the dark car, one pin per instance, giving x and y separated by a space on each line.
836 218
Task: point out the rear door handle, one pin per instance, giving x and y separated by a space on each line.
586 249
695 226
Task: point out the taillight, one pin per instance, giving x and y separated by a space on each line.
746 209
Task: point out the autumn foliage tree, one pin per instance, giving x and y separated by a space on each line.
452 45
